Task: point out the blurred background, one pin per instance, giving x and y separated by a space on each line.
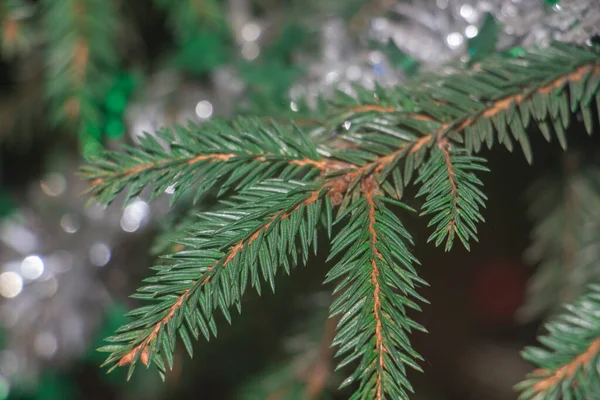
77 76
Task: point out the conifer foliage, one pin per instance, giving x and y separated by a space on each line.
279 190
567 364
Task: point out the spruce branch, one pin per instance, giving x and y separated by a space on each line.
223 252
361 157
14 32
233 155
566 365
390 143
453 196
308 373
565 209
501 94
188 17
377 280
80 54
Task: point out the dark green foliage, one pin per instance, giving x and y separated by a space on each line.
266 227
215 152
270 77
300 375
495 101
188 17
200 31
80 40
202 53
376 290
453 194
363 150
15 33
567 364
486 40
565 244
399 59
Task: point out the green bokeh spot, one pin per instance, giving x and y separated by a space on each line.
116 101
91 130
7 205
126 82
91 148
4 390
515 52
202 53
115 128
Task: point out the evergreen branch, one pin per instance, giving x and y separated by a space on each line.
565 209
499 93
188 17
453 196
176 226
386 137
567 363
509 92
216 149
318 375
379 347
308 373
377 281
81 52
14 34
418 125
226 249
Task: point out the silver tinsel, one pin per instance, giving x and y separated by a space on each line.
53 251
435 32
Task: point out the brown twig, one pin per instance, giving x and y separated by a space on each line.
369 188
325 166
321 370
79 61
567 371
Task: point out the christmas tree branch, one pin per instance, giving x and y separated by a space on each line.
376 257
308 374
376 282
553 378
590 70
226 244
206 156
81 55
565 211
13 30
318 374
378 141
566 365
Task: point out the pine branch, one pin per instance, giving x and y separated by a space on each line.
453 196
565 209
81 52
543 85
175 228
567 364
431 127
14 32
188 17
307 374
228 249
377 281
500 94
205 155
